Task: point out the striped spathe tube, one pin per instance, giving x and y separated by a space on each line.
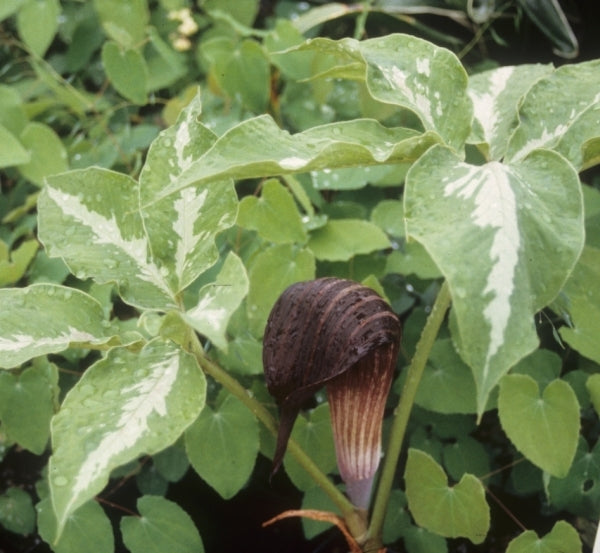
339 334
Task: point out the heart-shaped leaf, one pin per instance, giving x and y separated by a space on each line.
162 526
274 215
127 71
27 404
549 439
563 538
491 229
222 446
451 511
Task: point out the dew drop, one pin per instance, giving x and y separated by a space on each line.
60 481
87 389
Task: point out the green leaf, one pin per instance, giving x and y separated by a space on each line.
351 178
258 147
426 79
182 227
172 463
466 455
579 491
412 259
270 273
542 365
12 113
593 387
37 22
563 538
48 155
218 301
580 302
457 511
388 215
274 215
313 434
222 446
162 526
127 72
26 405
88 525
124 22
243 12
11 270
491 230
495 95
397 517
545 429
9 7
446 371
165 65
245 76
561 112
29 326
316 498
89 218
12 152
16 511
125 405
342 239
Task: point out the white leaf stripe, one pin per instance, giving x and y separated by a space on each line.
17 342
486 108
188 208
496 207
141 400
107 232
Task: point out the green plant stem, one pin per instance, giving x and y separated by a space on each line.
405 405
355 520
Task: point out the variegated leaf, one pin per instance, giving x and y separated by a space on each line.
125 405
258 147
29 325
557 115
506 238
405 71
495 95
218 300
90 218
182 227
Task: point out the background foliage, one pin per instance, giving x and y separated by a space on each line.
294 159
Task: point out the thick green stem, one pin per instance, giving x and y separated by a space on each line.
405 405
355 520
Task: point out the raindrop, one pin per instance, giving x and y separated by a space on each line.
60 481
87 389
460 292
